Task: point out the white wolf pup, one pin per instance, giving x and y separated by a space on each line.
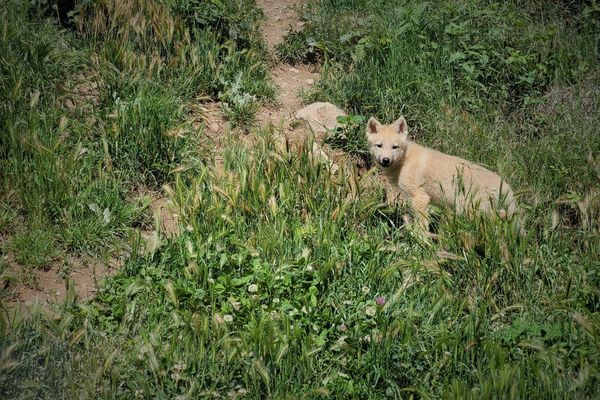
422 176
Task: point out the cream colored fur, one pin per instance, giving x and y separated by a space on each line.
421 176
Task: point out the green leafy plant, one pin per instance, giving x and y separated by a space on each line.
349 135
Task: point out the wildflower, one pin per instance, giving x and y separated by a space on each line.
380 300
228 318
177 370
180 366
305 252
366 290
235 304
253 288
370 311
342 327
309 268
218 319
142 352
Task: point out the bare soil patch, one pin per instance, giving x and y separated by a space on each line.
26 287
280 18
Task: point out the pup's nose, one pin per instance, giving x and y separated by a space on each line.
385 162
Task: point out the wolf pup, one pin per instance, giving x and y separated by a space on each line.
422 176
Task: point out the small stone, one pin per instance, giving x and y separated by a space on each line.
294 70
320 116
310 81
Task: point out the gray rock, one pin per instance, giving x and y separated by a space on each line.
320 116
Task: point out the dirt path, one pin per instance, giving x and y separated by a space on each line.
280 17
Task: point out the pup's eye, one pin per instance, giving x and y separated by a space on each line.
379 145
395 146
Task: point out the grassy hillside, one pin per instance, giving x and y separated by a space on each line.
289 281
96 112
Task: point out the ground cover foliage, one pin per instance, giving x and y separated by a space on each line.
291 281
95 112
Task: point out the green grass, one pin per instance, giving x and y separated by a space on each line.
35 248
95 113
273 290
288 281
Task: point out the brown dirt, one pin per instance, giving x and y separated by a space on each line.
291 81
280 18
43 287
25 287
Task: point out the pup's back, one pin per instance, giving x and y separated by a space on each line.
458 182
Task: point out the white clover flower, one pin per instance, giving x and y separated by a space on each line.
253 288
309 268
218 319
275 300
347 302
142 352
366 290
235 304
228 318
371 310
176 375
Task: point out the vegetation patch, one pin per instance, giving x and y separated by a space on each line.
288 280
94 112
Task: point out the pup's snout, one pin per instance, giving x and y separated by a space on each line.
385 162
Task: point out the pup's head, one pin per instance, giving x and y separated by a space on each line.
387 143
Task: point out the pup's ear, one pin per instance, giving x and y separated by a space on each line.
401 127
373 126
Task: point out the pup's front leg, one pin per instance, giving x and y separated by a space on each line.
420 204
396 196
393 195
